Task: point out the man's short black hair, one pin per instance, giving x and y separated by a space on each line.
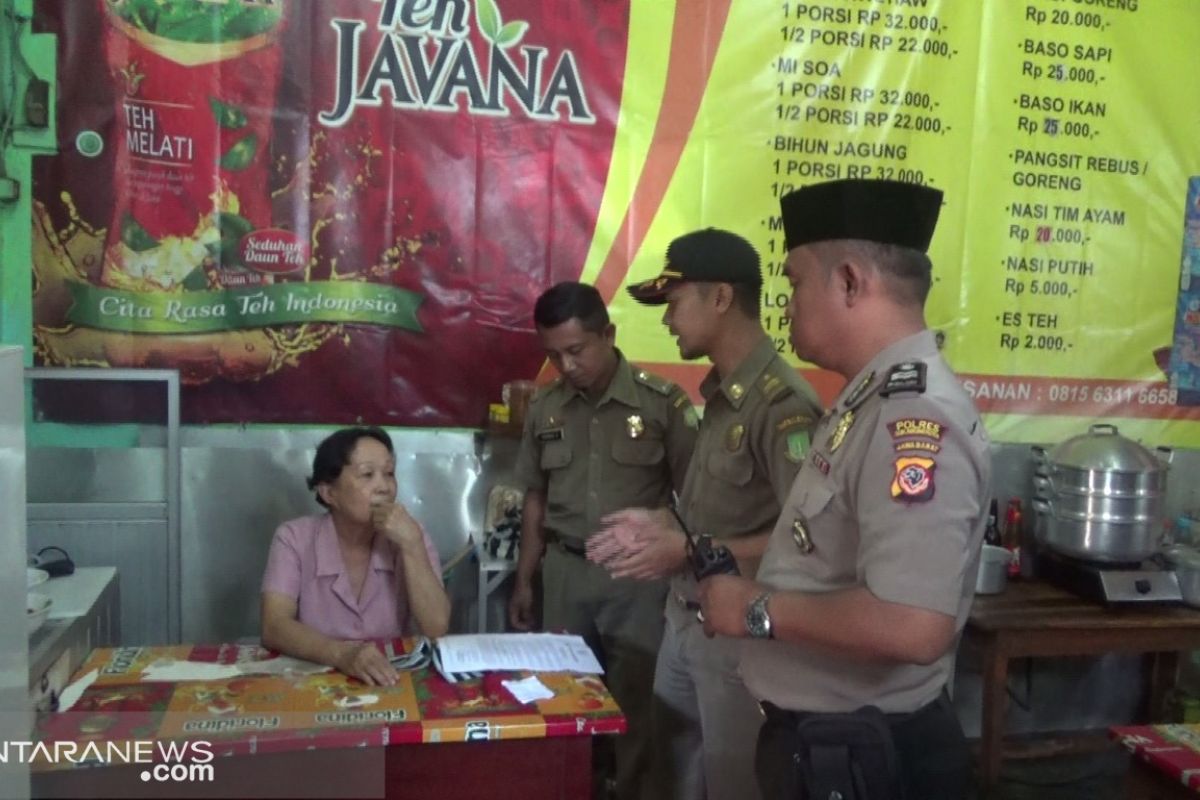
333 454
748 298
570 300
908 273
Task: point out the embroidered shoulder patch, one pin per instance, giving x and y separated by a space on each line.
793 421
924 428
921 445
798 444
913 480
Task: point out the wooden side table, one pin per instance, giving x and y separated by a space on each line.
1033 619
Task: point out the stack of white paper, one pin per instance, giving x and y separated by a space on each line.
539 652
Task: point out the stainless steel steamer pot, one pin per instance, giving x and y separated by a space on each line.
1100 496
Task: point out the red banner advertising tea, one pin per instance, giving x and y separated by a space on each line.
320 212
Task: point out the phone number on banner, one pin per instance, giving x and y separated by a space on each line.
1038 395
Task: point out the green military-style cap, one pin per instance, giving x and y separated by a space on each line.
709 255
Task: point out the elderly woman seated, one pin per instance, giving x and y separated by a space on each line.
363 570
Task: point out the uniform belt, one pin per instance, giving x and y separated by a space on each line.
781 716
684 603
574 548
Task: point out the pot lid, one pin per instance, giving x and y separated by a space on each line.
1103 448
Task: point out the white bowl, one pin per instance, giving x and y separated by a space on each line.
37 608
35 577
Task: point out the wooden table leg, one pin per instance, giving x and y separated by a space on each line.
995 687
1164 670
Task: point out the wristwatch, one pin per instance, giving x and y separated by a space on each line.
758 621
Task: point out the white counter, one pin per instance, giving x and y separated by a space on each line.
84 614
75 595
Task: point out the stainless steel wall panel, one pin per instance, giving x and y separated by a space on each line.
233 499
416 440
90 512
102 475
138 549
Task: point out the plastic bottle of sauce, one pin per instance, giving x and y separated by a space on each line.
1013 536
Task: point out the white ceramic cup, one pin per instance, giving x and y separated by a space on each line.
993 570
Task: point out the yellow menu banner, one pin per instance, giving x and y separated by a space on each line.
1061 131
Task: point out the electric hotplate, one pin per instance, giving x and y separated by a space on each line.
1116 584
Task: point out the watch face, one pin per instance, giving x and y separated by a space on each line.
758 622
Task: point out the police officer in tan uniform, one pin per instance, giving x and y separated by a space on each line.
754 433
869 574
604 436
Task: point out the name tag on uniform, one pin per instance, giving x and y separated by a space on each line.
552 435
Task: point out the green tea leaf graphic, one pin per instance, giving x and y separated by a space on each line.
233 227
203 22
487 14
240 154
135 236
227 116
511 33
196 280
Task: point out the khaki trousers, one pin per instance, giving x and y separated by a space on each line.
622 620
705 721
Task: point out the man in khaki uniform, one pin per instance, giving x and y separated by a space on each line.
869 574
604 436
753 435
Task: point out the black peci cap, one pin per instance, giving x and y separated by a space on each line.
888 212
711 255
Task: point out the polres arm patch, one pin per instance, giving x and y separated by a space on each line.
913 479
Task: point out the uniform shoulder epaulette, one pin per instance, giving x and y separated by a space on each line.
546 390
774 387
651 381
907 376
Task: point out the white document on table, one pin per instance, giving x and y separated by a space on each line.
70 694
538 652
528 690
281 665
177 671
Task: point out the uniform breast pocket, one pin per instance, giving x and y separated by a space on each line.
638 452
811 530
732 468
555 455
562 483
814 499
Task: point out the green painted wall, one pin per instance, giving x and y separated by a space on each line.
21 53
